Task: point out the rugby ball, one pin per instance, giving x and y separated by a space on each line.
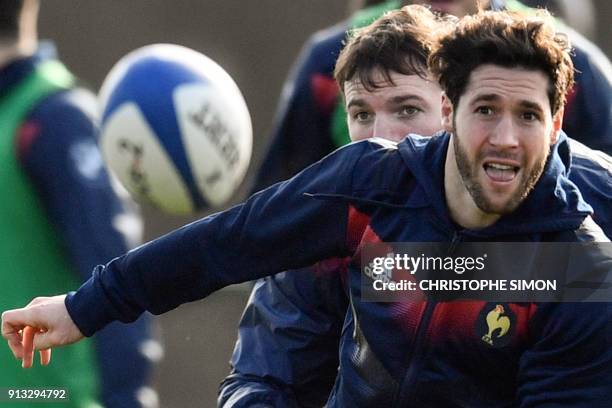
175 128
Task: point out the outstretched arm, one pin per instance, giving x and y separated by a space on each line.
261 237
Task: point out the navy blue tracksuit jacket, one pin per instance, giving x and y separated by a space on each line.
391 354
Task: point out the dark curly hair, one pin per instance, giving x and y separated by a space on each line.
507 39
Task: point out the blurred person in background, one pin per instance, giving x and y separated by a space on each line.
579 15
310 121
59 215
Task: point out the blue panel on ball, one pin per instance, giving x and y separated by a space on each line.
150 82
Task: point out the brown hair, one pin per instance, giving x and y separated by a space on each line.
399 41
507 39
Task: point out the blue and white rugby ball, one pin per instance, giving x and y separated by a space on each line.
175 129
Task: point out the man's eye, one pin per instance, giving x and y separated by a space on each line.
484 110
362 116
409 111
530 116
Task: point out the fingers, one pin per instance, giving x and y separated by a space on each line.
28 336
45 357
16 348
28 346
13 321
10 331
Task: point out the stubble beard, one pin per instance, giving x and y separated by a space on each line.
468 172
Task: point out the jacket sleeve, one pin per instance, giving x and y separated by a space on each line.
570 364
57 150
287 348
280 228
591 171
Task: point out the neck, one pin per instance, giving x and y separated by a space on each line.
461 206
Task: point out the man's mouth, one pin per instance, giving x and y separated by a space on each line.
501 172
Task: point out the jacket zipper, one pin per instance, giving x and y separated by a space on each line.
416 358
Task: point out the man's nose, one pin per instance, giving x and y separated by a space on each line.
387 129
505 133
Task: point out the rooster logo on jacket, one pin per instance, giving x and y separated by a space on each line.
496 321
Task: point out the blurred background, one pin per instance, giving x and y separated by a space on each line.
256 42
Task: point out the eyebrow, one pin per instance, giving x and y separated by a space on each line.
531 105
399 99
356 102
396 100
485 98
494 97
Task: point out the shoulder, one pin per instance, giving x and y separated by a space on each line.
322 48
380 172
329 39
78 103
591 171
58 120
371 151
59 136
363 155
315 64
584 156
376 152
587 56
363 164
589 231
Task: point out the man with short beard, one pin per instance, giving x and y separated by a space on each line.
286 352
505 78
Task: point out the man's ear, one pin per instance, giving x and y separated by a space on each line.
447 114
557 125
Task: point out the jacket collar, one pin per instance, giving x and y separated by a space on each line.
555 204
